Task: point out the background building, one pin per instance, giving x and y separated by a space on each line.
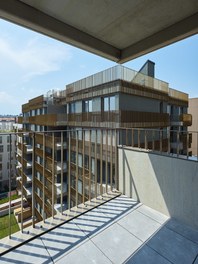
193 110
7 153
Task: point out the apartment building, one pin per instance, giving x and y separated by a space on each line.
193 110
7 154
67 149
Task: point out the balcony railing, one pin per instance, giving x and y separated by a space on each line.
84 166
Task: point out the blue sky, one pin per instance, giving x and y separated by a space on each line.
32 64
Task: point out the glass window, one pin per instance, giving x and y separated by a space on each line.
0 139
112 103
106 104
1 148
1 158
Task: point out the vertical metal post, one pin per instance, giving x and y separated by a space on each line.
22 161
111 161
153 140
90 168
61 172
187 144
126 137
33 179
53 172
69 172
145 139
132 137
116 160
177 143
160 141
106 163
10 141
169 141
83 164
95 167
197 145
101 163
76 167
43 177
138 138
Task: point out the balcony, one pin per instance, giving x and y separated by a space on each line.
122 118
155 218
181 120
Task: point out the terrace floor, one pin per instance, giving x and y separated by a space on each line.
118 231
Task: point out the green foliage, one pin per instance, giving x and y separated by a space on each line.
5 200
4 225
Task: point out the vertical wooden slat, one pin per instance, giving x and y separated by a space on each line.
132 137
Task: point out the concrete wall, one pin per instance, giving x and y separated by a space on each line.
168 185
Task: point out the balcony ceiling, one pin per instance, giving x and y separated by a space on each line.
115 29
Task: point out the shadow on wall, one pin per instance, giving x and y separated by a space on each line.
166 184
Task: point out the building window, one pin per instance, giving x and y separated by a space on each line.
1 148
0 139
87 106
109 103
1 158
72 108
9 148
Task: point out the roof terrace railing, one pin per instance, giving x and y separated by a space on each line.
88 161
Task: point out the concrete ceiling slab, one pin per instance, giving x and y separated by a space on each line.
115 29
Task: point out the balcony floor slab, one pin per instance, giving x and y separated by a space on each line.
119 231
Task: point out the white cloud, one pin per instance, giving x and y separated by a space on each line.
34 57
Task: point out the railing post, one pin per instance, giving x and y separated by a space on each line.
53 172
197 145
145 139
76 168
106 163
10 141
101 149
161 141
132 137
69 172
22 154
61 172
90 168
138 138
33 179
177 143
111 161
153 140
187 144
95 167
83 164
126 137
116 160
169 141
43 177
